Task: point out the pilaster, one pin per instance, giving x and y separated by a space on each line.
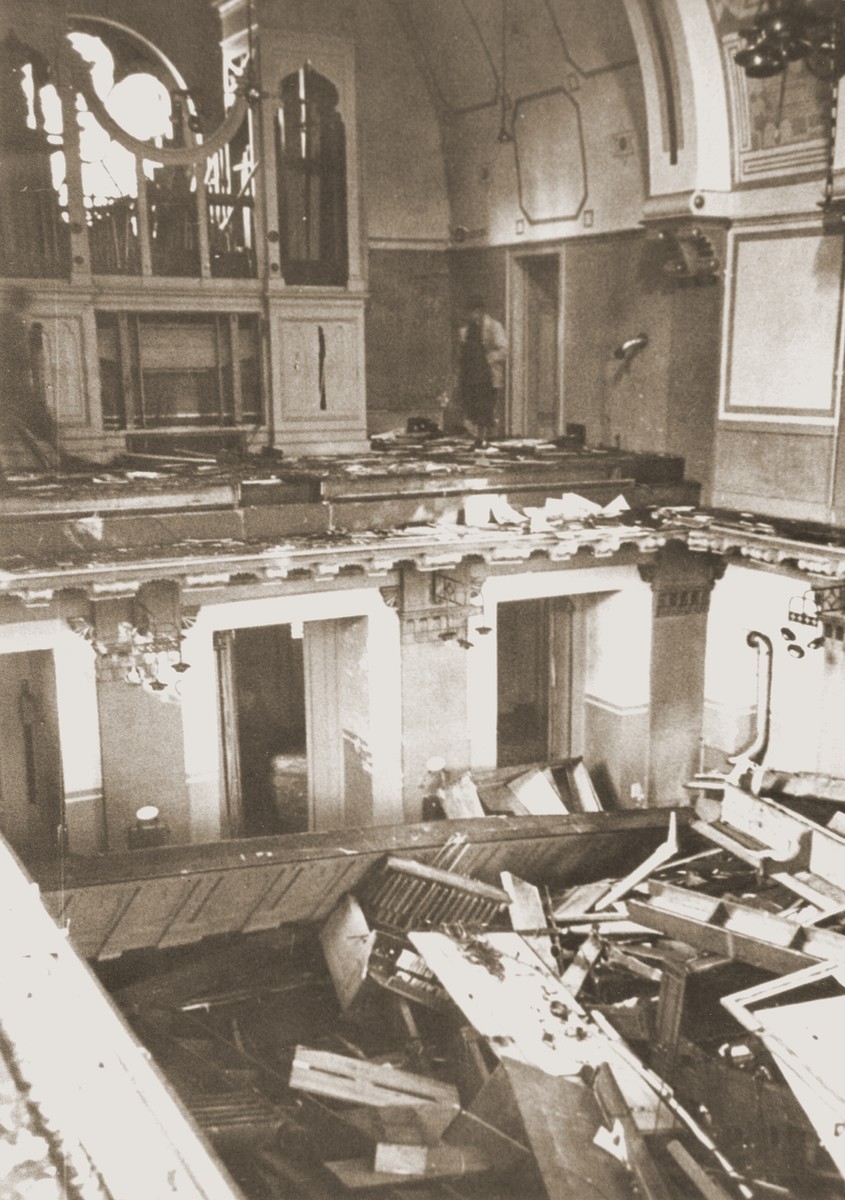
681 582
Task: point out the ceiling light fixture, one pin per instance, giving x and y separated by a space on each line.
787 31
808 31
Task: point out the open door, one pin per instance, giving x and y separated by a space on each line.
535 368
31 788
261 681
538 665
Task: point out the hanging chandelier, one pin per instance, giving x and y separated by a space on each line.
786 31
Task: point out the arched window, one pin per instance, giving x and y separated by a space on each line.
33 219
143 95
311 156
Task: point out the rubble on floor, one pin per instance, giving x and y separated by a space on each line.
671 1033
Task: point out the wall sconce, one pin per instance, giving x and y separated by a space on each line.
447 590
631 347
803 610
794 648
141 649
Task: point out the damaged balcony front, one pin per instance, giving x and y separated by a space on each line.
283 647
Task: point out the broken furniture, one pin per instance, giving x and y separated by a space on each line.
366 937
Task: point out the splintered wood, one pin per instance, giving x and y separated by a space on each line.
527 1014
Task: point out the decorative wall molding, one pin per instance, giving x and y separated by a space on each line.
783 325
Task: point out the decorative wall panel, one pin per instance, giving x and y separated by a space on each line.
783 327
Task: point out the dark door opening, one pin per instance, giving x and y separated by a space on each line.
31 786
268 694
541 313
534 670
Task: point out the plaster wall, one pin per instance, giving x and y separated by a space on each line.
78 733
743 600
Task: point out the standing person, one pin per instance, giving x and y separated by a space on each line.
481 378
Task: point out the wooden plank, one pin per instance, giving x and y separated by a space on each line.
347 942
561 1119
696 1173
576 973
460 799
630 962
612 837
440 1161
742 919
662 854
716 940
355 1173
537 792
526 1013
360 1082
579 784
646 1172
582 899
527 912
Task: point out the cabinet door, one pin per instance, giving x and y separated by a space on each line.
321 367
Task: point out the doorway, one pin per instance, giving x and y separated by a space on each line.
263 728
535 670
536 316
31 787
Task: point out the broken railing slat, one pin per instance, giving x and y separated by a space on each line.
419 870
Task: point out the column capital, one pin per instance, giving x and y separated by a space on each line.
682 579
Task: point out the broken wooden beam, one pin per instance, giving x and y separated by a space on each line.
733 930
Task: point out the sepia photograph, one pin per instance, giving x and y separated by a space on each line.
422 600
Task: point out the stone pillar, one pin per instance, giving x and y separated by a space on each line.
681 582
141 736
435 710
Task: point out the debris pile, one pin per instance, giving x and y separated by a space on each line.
670 1033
